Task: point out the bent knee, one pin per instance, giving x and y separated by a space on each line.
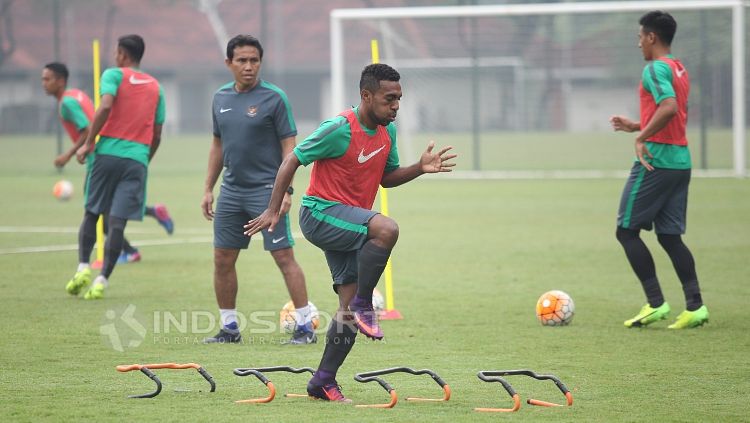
391 230
383 228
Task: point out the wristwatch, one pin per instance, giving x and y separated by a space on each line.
290 190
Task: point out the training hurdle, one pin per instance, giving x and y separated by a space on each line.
146 370
496 376
258 373
373 377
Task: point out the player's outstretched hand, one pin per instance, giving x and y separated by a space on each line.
207 205
267 219
437 162
621 123
642 152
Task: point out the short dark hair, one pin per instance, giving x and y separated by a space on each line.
243 40
374 73
59 69
661 23
133 45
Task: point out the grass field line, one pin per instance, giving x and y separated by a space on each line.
74 230
566 174
142 243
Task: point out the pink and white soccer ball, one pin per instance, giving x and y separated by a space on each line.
63 190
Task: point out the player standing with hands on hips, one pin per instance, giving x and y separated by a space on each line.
354 153
656 192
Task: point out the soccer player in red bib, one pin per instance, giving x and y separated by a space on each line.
129 122
75 108
656 192
76 111
354 153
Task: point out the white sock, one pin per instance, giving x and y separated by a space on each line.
82 266
302 315
102 280
228 316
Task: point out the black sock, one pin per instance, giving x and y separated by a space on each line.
372 261
642 263
653 292
693 298
126 247
113 245
684 265
87 237
150 211
339 341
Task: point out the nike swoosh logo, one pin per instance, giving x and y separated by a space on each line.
362 158
223 110
680 73
135 81
330 394
277 240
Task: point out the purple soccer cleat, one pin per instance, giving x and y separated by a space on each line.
366 318
327 392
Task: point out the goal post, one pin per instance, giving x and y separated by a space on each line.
517 92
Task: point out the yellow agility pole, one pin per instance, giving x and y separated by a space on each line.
99 223
390 312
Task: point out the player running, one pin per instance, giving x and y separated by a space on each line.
76 110
129 122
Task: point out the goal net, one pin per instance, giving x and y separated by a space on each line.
528 89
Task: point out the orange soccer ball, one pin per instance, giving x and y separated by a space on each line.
555 308
62 190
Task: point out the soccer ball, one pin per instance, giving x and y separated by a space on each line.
63 190
555 308
287 317
378 303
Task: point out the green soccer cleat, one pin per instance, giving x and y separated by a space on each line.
80 280
96 292
690 319
648 315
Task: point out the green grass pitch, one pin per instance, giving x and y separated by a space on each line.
472 259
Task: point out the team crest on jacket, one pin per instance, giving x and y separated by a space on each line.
252 111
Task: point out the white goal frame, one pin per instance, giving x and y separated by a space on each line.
738 41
